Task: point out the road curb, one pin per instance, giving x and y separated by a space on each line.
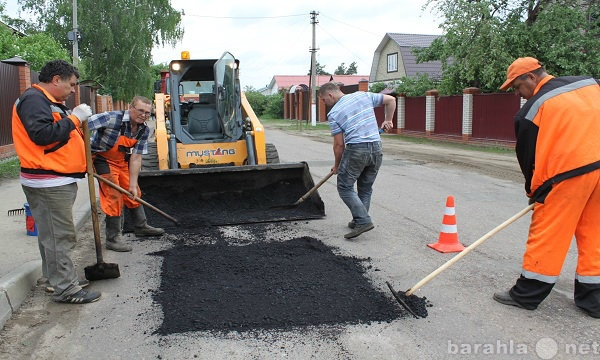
16 286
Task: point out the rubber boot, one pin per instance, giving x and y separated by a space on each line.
141 227
113 235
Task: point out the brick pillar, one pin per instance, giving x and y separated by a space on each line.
24 77
363 85
430 97
467 113
400 113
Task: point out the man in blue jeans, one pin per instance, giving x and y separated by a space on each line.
356 147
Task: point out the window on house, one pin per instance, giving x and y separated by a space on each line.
392 62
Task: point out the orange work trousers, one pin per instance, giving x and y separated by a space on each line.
112 200
572 208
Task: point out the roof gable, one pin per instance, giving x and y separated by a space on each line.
406 43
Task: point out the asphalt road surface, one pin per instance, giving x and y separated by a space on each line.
407 208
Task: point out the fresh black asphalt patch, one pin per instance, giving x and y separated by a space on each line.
213 282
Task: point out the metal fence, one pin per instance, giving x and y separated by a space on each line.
9 92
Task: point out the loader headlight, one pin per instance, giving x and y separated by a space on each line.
175 66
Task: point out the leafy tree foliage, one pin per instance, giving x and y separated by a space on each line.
482 37
36 49
274 106
342 70
377 87
415 86
257 101
319 69
116 38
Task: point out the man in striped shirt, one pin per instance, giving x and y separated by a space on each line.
356 147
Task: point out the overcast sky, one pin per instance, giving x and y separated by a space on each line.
273 37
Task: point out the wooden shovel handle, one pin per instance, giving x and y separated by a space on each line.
92 190
468 249
314 188
117 187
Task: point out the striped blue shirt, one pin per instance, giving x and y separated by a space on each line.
107 129
354 116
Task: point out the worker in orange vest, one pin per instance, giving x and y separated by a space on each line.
558 148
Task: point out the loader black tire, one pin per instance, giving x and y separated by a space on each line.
272 154
150 160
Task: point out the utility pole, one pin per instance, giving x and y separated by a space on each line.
313 70
75 36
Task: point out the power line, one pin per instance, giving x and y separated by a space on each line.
352 26
242 17
342 45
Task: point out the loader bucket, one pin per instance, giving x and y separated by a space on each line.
230 195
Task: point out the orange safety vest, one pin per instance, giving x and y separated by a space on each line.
557 130
65 158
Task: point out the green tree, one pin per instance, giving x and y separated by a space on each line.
116 38
352 69
36 49
274 106
377 87
415 86
481 38
257 101
319 69
343 70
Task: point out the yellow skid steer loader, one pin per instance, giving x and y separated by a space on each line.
209 162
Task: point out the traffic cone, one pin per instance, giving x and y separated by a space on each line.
448 240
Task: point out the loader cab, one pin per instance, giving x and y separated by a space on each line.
209 100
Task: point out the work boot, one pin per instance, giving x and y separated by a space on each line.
113 235
504 297
141 227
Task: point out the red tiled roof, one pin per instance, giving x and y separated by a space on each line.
287 81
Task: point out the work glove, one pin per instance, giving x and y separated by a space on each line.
82 111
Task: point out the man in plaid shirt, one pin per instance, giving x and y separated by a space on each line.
119 140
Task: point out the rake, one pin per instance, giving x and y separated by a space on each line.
20 211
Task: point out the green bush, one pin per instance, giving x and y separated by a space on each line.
257 101
274 106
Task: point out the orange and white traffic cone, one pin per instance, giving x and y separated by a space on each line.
448 240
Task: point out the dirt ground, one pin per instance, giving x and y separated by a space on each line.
500 163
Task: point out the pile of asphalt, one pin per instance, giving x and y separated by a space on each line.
216 282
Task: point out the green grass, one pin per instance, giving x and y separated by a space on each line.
10 168
323 127
451 144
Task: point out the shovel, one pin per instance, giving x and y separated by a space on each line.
307 195
100 270
117 187
403 298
